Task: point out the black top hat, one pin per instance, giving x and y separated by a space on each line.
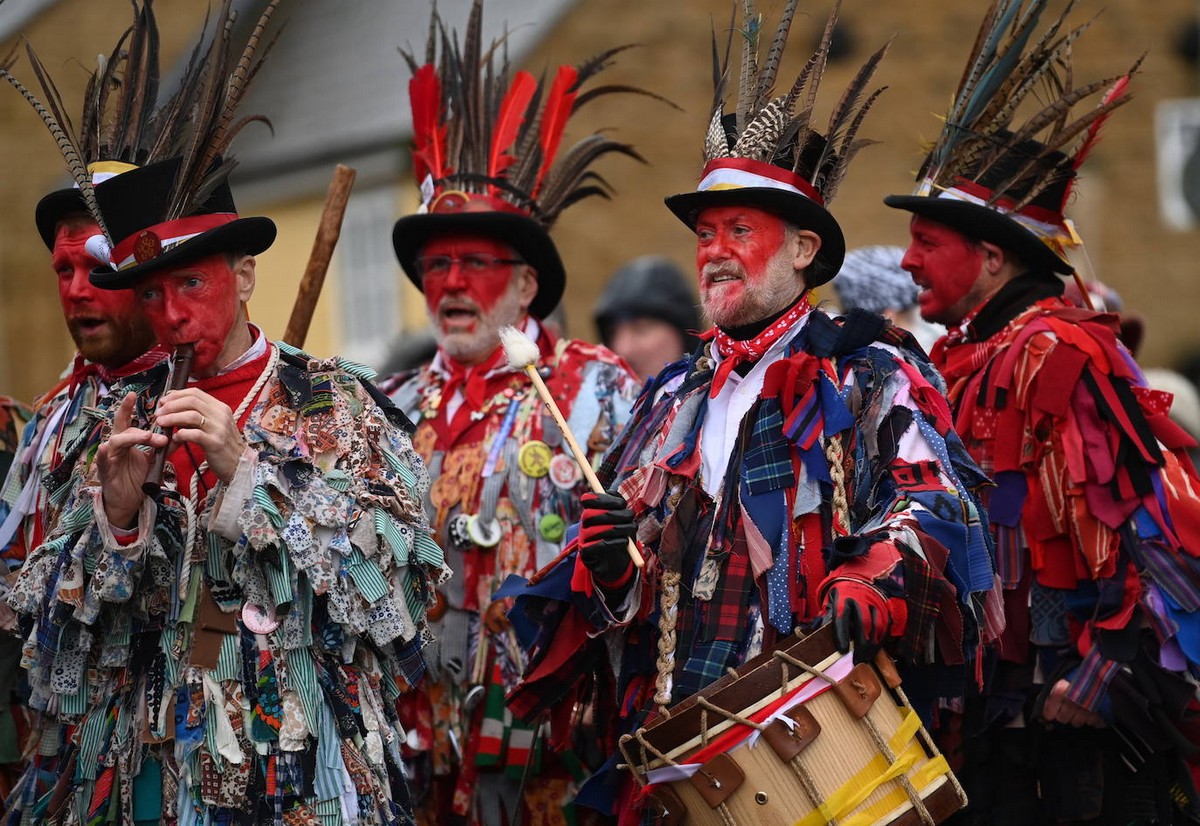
53 208
487 151
1036 232
781 187
134 207
457 213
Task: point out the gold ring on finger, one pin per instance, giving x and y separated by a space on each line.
203 419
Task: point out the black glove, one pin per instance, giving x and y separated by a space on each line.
605 528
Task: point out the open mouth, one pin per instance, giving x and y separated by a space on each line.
458 313
87 325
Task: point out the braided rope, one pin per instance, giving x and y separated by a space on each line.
836 457
928 740
914 796
668 614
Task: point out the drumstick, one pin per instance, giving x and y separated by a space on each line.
181 367
522 354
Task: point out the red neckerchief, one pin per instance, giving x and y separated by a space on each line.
473 380
734 352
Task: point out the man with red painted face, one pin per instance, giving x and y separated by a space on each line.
794 469
505 486
254 622
1094 513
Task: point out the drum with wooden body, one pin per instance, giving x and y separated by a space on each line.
799 737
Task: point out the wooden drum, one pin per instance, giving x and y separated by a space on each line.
799 737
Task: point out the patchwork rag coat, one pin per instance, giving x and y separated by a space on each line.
496 453
239 658
756 548
1095 513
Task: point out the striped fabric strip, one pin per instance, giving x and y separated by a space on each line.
401 469
78 517
330 765
302 678
1091 679
396 539
93 737
359 371
366 576
279 579
263 499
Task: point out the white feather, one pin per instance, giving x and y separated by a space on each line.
98 247
518 348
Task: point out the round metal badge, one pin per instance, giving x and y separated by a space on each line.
258 619
485 535
534 459
564 472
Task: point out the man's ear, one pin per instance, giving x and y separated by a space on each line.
994 258
243 273
528 288
806 244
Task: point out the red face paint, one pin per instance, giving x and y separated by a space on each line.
106 325
469 303
945 264
196 302
738 256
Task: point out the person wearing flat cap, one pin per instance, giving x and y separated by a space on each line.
793 470
230 643
505 485
1087 708
648 315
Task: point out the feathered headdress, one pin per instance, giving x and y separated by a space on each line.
487 151
123 127
767 152
1007 177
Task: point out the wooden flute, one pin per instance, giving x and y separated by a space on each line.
181 368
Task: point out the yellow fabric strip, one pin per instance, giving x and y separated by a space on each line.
920 778
925 775
858 788
905 732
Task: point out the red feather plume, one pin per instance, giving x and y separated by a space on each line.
508 122
425 97
559 103
1093 134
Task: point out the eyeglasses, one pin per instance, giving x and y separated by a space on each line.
474 264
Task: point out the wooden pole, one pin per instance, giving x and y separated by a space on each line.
580 457
318 260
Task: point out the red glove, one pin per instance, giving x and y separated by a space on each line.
605 528
862 615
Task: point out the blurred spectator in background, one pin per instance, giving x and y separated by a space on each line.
1105 300
648 314
871 279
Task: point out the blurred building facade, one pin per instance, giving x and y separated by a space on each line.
336 91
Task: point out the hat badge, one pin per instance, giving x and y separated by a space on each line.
148 246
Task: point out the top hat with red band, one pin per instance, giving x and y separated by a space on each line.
461 213
768 154
775 187
134 207
488 153
1037 232
1003 166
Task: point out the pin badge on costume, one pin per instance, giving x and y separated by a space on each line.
258 619
552 527
483 534
534 459
564 472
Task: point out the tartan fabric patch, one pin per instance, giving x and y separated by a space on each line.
768 463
